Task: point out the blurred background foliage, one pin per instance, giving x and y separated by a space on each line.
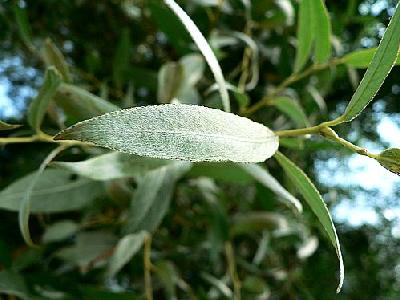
135 52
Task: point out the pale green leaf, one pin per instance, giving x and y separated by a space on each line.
53 57
315 201
380 66
152 197
89 249
362 58
6 126
178 131
322 31
205 49
305 34
292 109
126 248
39 105
60 231
265 178
78 102
112 165
243 223
54 191
390 160
170 78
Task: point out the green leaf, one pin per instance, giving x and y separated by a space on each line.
81 104
55 191
60 231
6 126
265 178
243 223
322 31
121 57
292 109
12 283
381 64
223 171
152 197
24 28
169 82
178 131
390 160
112 165
205 50
89 247
305 34
39 105
315 201
53 57
362 58
126 248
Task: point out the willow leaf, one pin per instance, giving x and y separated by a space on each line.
178 131
205 49
315 201
6 126
362 58
305 36
53 57
322 31
382 62
38 107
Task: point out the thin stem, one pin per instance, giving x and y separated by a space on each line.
147 268
230 257
38 137
290 80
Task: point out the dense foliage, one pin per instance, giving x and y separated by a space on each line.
134 223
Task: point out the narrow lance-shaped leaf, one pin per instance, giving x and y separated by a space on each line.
81 104
55 191
6 126
381 64
362 58
153 196
205 49
315 201
178 131
25 206
24 28
112 166
322 31
292 109
305 36
126 248
53 57
38 107
265 178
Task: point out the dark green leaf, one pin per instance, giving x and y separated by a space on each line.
292 109
381 64
39 105
13 284
390 160
322 31
362 58
315 201
305 34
